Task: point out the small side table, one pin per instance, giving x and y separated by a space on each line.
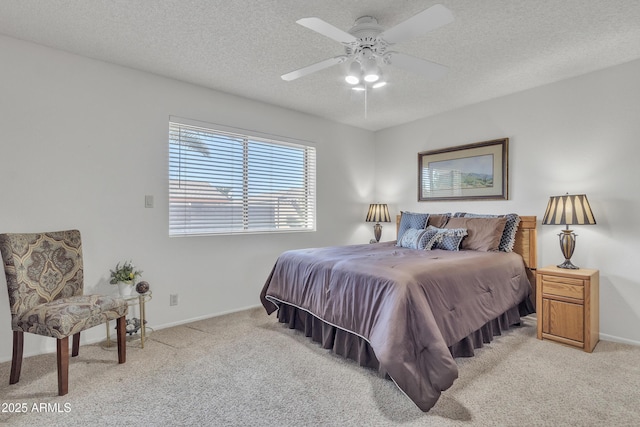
133 300
568 306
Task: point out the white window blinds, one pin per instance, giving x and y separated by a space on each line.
222 182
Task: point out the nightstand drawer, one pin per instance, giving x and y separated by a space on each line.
563 287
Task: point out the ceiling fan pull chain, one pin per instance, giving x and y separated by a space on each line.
366 90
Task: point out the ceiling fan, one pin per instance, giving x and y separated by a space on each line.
367 47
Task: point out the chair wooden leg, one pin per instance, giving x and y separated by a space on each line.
76 345
16 361
63 366
121 338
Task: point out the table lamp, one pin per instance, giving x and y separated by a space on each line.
378 213
568 210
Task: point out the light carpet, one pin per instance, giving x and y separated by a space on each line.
246 369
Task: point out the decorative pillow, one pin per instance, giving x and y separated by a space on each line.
411 238
429 238
449 238
508 238
484 234
411 220
438 220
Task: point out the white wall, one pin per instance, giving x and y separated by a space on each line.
84 141
578 136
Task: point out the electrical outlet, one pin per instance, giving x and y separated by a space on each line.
173 299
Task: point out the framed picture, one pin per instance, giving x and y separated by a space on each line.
473 171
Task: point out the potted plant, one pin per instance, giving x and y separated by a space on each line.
125 276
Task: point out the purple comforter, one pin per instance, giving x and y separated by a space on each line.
410 305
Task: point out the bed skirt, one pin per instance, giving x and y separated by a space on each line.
354 347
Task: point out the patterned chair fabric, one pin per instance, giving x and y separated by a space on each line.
45 281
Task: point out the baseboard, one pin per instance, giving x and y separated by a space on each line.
206 316
606 337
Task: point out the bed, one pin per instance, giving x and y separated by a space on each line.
403 311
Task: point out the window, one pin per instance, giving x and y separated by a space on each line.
224 182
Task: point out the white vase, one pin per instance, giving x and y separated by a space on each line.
125 289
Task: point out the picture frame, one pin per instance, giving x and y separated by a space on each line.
477 171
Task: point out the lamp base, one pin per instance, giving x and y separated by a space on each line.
567 244
377 231
567 264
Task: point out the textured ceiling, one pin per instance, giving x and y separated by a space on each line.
493 48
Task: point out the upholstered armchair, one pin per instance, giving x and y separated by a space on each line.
45 281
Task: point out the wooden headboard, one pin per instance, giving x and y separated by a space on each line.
526 240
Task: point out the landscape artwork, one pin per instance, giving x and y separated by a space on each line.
473 171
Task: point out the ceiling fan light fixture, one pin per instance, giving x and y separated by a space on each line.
352 80
372 76
379 83
353 77
371 69
359 87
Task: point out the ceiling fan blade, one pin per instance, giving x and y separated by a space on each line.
327 30
430 19
313 68
428 69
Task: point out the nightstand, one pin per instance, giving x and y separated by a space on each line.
567 302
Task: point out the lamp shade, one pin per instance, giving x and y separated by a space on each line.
378 212
568 210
